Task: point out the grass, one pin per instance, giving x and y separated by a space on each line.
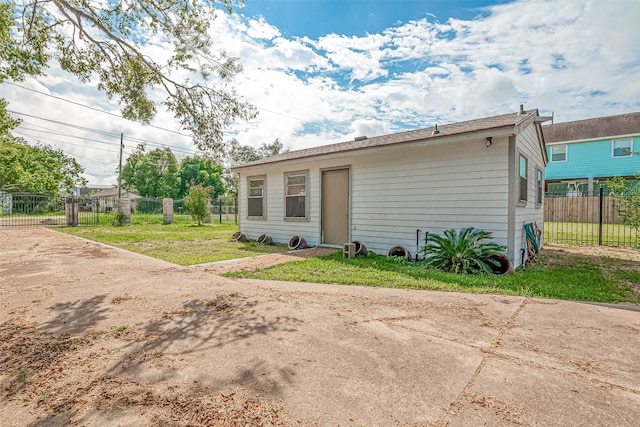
557 275
178 243
588 233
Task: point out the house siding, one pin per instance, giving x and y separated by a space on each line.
527 144
593 159
431 188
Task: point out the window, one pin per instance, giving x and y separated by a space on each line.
622 147
539 193
523 179
558 153
296 195
255 199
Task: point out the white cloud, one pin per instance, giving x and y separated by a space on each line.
578 59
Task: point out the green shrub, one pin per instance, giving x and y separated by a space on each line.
462 253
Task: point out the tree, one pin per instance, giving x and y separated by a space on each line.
200 171
626 194
39 169
153 174
237 154
196 202
108 41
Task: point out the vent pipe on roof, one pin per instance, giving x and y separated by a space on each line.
435 130
360 138
522 112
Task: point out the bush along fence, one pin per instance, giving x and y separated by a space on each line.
37 210
587 220
144 210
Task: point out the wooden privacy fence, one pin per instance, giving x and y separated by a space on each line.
586 220
581 209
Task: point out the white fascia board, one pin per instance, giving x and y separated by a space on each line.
444 139
603 138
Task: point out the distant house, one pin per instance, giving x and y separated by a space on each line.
390 190
584 153
107 200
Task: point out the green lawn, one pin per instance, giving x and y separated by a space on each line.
588 233
180 243
557 275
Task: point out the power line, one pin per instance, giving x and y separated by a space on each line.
95 109
136 121
105 133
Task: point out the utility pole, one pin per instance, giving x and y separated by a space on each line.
120 167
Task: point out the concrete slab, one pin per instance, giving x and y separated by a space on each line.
94 335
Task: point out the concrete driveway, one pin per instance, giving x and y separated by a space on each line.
94 335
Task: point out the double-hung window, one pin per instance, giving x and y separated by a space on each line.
558 153
622 147
255 199
539 192
296 184
523 180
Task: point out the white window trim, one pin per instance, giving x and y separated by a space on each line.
264 197
613 148
306 196
566 153
539 187
521 201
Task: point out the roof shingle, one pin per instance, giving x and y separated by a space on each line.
600 127
487 123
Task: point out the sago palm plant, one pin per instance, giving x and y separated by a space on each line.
466 252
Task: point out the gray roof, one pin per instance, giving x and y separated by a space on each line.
600 127
113 192
487 123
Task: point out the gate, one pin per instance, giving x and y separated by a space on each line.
38 210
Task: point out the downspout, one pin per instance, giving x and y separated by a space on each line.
512 199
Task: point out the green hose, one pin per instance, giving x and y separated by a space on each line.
534 236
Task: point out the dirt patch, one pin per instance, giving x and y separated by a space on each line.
260 262
124 339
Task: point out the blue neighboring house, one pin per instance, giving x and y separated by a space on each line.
585 153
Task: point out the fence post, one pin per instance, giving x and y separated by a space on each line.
236 209
71 211
220 209
124 208
601 197
167 210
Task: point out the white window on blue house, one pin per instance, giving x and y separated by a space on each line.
559 153
296 195
256 196
622 147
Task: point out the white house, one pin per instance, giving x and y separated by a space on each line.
390 190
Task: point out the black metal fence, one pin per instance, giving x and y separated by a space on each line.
586 220
31 210
28 210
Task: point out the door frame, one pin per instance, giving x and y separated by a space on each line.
321 223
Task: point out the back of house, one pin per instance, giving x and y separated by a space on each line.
391 190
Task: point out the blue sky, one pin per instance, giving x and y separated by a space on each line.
326 71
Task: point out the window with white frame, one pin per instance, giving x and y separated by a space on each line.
296 195
523 181
539 193
559 153
256 196
622 147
